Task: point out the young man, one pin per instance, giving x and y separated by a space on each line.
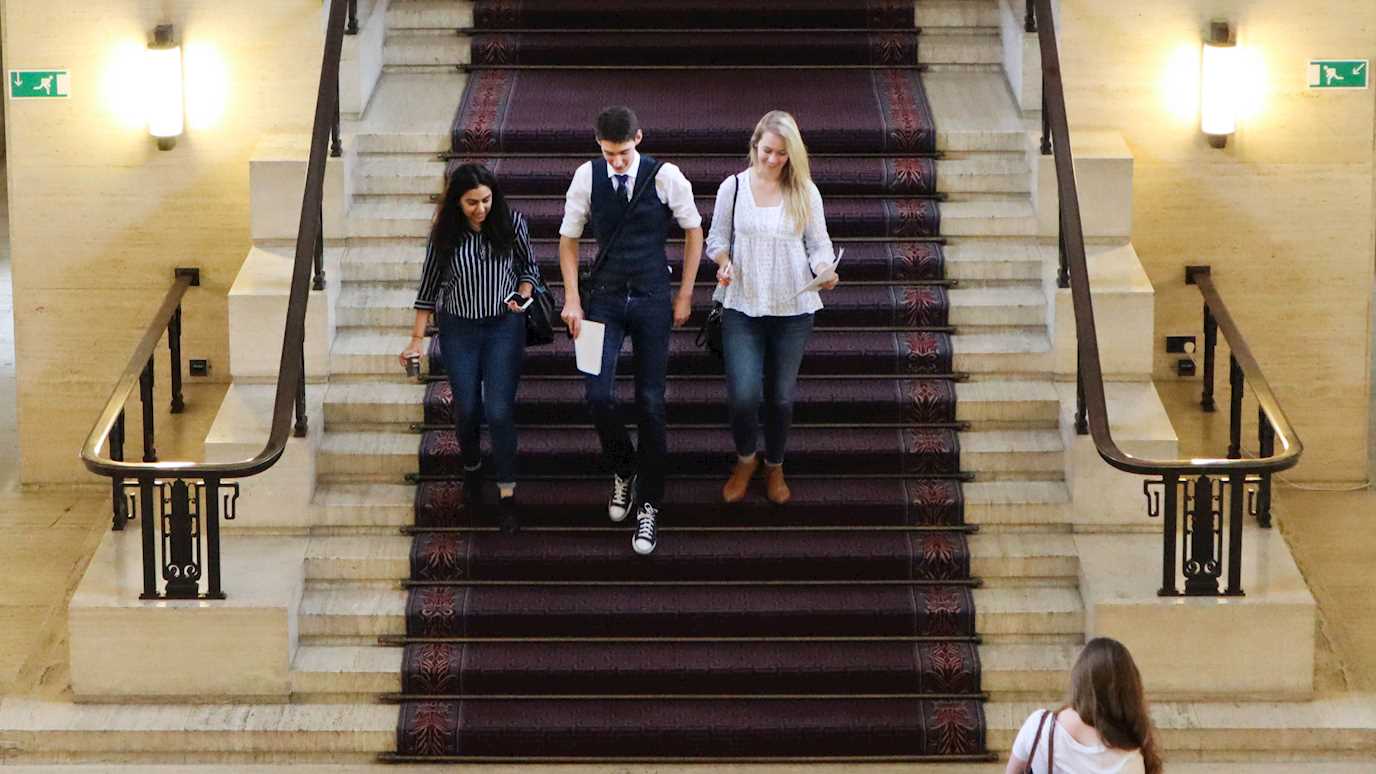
631 293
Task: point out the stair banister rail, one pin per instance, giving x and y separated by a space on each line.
1201 500
180 503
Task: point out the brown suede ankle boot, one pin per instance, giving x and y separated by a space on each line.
734 490
775 488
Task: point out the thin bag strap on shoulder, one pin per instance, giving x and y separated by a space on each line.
1037 740
735 197
1051 747
635 198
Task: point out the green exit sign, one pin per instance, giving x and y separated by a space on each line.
40 84
1339 73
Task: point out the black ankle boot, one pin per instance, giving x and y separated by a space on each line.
507 518
473 487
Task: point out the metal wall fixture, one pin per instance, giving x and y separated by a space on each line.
166 103
1219 88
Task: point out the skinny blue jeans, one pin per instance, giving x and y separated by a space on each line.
762 355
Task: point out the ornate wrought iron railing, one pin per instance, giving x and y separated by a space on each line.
179 504
1202 501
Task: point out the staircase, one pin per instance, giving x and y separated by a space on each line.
924 577
891 593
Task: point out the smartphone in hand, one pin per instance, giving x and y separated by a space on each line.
523 303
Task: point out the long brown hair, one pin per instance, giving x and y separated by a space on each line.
1106 692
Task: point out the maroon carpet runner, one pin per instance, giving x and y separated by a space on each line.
839 627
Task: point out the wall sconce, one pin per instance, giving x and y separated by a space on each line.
164 72
1219 86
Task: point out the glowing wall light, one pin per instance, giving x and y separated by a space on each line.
163 73
207 85
1220 85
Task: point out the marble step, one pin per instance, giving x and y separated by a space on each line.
203 767
995 506
990 455
940 46
974 134
345 672
446 14
371 305
358 614
997 559
429 15
417 175
441 47
128 738
373 352
1010 403
932 15
972 262
391 217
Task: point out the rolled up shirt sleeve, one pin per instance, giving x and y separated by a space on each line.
577 203
431 278
674 190
815 236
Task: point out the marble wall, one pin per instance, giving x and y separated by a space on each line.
99 217
1284 214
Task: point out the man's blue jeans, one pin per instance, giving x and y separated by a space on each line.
648 318
483 361
762 359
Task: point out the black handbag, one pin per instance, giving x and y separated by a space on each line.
540 317
709 335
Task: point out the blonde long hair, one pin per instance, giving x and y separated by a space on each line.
1106 692
797 174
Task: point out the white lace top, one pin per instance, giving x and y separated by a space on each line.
772 260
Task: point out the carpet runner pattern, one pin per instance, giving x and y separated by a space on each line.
839 627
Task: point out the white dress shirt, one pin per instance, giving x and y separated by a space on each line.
671 186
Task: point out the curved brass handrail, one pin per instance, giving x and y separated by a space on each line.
290 366
1090 375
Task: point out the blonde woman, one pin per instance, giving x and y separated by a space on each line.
769 240
1105 729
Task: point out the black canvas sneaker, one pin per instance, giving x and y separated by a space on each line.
645 529
623 496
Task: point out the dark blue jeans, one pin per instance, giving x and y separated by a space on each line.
483 360
648 318
762 359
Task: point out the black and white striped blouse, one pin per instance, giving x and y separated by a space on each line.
470 281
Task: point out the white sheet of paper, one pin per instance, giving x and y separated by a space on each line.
587 348
828 272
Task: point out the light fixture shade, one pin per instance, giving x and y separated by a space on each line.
1220 88
163 77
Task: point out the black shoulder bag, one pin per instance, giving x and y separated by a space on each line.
540 315
710 335
585 279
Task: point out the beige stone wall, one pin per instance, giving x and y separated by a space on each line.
1284 214
99 217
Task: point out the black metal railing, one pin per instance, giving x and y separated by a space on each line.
180 504
1202 501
